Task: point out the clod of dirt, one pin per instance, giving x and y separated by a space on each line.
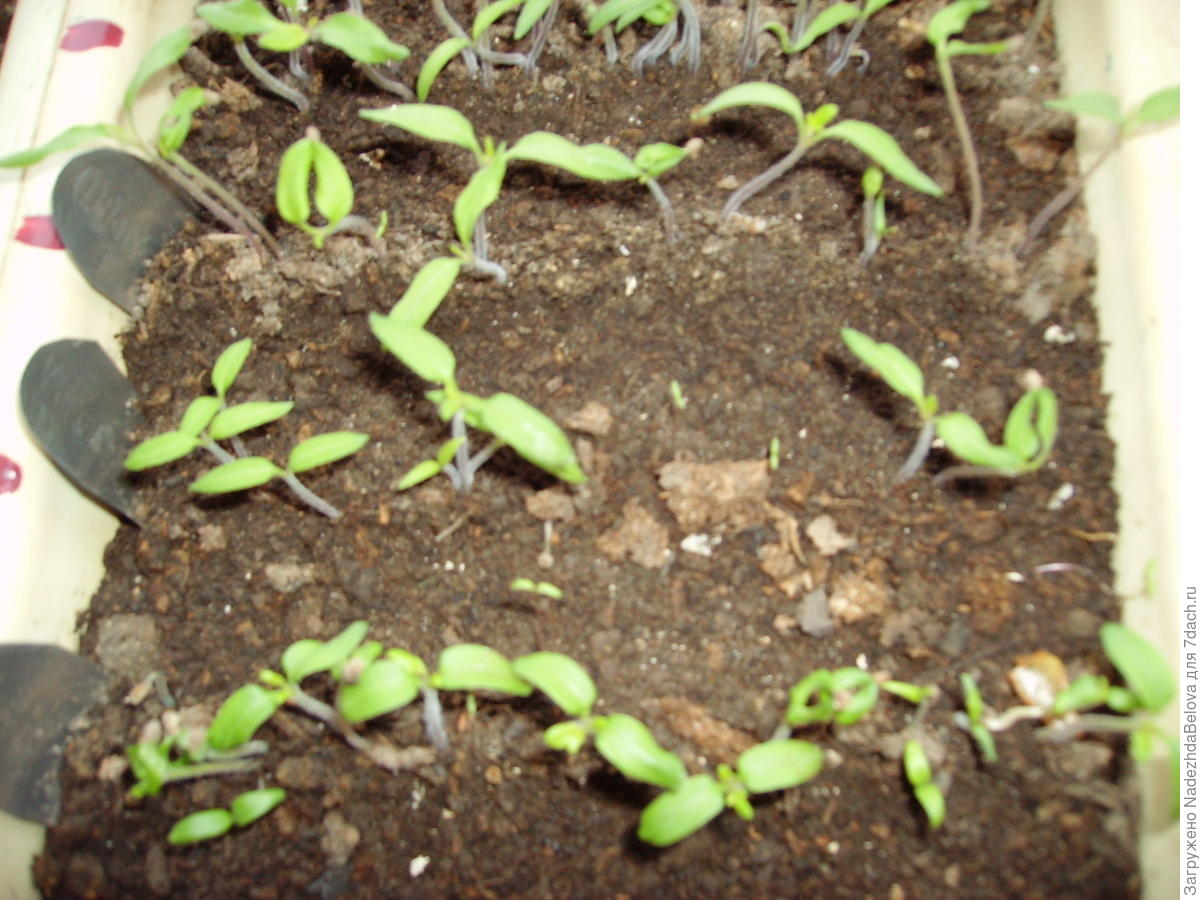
823 532
727 492
639 536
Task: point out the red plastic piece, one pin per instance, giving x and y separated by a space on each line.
39 231
92 34
10 475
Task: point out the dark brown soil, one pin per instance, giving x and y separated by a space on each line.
601 310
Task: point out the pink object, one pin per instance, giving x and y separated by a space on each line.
10 475
92 34
39 231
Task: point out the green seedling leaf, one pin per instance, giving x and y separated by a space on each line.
176 122
251 806
823 23
1141 665
160 450
916 764
68 140
489 15
569 737
872 182
308 657
874 6
241 715
243 417
474 667
855 693
545 588
815 121
972 698
480 193
420 473
1089 103
239 475
1084 692
430 121
199 414
287 37
1161 106
777 765
360 39
966 439
325 449
384 686
672 816
167 51
802 710
598 162
291 183
1142 741
655 159
933 801
631 748
238 18
621 11
891 364
531 13
437 60
412 663
1032 427
952 19
883 149
532 434
333 192
151 766
962 48
428 289
913 693
200 826
229 364
1122 700
420 350
755 93
561 679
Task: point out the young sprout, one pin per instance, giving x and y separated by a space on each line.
874 216
208 420
509 420
163 152
311 159
945 23
774 765
544 588
806 31
349 32
1029 435
207 824
811 129
619 14
773 454
535 16
1159 108
972 718
600 162
904 377
920 777
448 125
678 400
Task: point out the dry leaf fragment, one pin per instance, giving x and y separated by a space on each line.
855 597
594 418
700 494
639 536
824 534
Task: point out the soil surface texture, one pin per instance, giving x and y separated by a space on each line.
698 583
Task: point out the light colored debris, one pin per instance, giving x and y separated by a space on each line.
289 576
594 418
638 536
338 839
855 597
727 492
824 534
700 544
552 504
815 618
1037 678
717 739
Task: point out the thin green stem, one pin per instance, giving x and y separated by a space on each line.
307 496
269 81
241 212
758 182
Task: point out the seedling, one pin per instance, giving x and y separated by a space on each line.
806 31
665 14
600 162
545 588
842 696
904 377
773 454
678 400
535 16
307 159
874 216
349 32
945 23
163 151
972 718
509 420
1029 435
208 420
920 776
448 125
247 807
811 129
1157 109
